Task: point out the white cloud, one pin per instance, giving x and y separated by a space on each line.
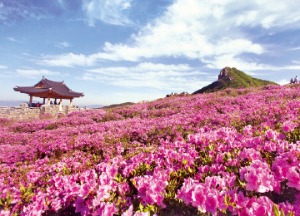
63 44
290 67
67 60
3 67
295 49
198 29
212 32
266 14
283 82
108 11
12 39
31 73
170 77
250 67
232 61
11 11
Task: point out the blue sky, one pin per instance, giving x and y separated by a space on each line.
132 50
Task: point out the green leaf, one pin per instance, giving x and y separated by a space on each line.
141 207
22 189
276 210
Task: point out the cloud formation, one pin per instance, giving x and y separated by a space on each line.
108 11
32 73
212 32
68 60
12 39
63 44
175 77
208 31
11 11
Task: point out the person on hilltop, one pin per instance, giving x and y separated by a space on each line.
296 80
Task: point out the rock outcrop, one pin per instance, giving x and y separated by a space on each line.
233 78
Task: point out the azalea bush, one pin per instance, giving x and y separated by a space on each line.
234 152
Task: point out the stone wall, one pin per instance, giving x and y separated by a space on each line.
29 113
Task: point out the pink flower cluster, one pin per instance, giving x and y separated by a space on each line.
151 188
207 197
233 152
258 177
287 167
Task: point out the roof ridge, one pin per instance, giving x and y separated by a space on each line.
44 78
44 85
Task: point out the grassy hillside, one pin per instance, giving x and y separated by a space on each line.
234 79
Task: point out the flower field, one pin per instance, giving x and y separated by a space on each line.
235 152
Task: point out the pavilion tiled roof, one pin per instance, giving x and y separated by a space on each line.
48 88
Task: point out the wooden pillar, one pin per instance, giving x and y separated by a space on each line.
44 100
48 101
30 100
60 105
71 102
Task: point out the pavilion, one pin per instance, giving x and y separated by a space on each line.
49 89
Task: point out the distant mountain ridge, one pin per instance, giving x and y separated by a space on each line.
233 78
117 105
10 103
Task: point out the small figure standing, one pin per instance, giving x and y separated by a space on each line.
291 81
296 80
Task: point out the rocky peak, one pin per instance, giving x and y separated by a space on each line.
224 73
230 77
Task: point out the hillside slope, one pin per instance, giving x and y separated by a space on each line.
233 78
204 154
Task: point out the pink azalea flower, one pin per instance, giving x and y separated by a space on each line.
250 153
185 192
288 207
199 197
151 189
241 200
262 206
252 180
102 194
271 134
293 176
56 204
81 206
128 212
123 188
248 130
33 176
5 213
106 209
258 177
288 126
85 190
112 171
141 214
211 203
215 182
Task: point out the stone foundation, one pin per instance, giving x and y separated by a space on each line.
28 113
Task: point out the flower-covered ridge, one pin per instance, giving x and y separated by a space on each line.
234 152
